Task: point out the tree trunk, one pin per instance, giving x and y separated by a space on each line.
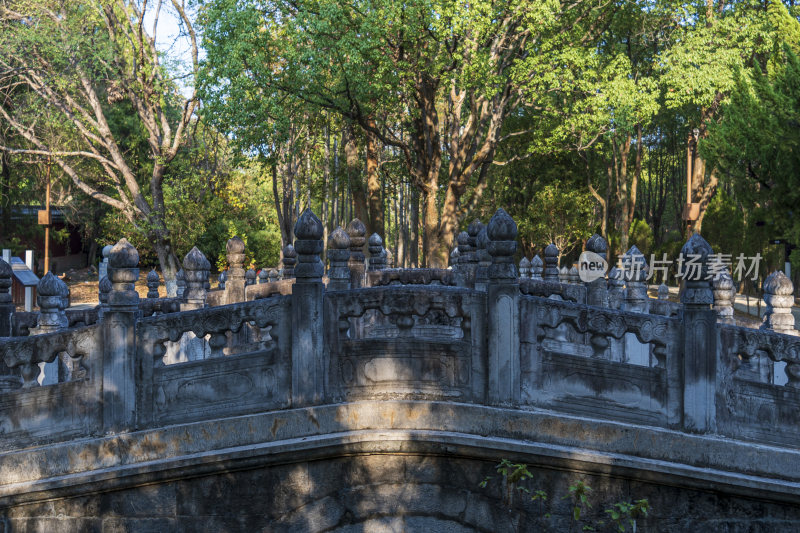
169 263
376 219
413 250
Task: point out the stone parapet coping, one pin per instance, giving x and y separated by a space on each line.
537 437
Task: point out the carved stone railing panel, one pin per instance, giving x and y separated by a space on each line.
26 353
63 410
158 306
416 276
23 322
267 289
758 385
582 378
247 366
545 289
406 340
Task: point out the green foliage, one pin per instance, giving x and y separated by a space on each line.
641 235
516 477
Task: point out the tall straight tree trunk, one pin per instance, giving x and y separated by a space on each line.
414 227
375 222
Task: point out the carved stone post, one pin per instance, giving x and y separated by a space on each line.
551 263
573 277
524 268
464 249
103 270
308 364
502 300
223 277
51 294
250 277
8 381
263 276
723 297
356 231
563 275
289 261
454 257
537 267
377 255
234 286
484 260
195 268
6 302
272 275
663 292
338 255
779 297
597 290
473 257
635 273
616 288
104 289
119 332
180 283
152 284
699 342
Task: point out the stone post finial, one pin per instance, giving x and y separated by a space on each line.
377 255
484 259
524 268
697 292
616 284
103 270
723 297
338 255
597 290
250 277
779 297
537 267
272 274
152 284
104 288
356 231
5 282
289 261
551 262
663 292
502 235
563 274
180 281
51 297
635 273
195 268
123 271
263 276
464 248
573 277
223 277
308 232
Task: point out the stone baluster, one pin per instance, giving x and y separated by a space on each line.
250 277
8 381
635 274
51 293
472 260
699 342
563 275
464 249
537 267
289 261
573 278
389 258
308 362
273 275
524 268
223 277
152 284
195 266
779 297
616 288
338 256
6 301
597 290
356 231
104 289
263 276
723 297
551 263
484 260
234 285
663 292
503 311
377 255
119 330
180 282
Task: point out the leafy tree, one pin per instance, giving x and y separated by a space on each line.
93 67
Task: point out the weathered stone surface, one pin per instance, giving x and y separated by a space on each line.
779 297
152 284
551 263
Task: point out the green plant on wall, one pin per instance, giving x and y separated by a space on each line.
516 480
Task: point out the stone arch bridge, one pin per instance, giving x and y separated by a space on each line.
378 399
